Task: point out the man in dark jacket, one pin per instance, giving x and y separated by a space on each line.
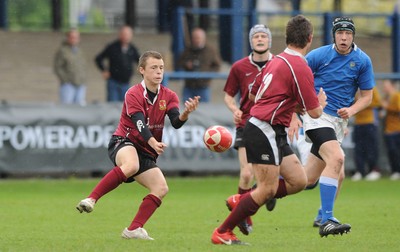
121 55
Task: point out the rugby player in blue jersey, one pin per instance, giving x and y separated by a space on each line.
340 69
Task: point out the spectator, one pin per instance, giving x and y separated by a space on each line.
199 57
391 104
70 68
121 55
366 137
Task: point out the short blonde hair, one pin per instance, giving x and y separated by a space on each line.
148 54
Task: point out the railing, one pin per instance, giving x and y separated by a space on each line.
179 75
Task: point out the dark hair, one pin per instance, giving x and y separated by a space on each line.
148 54
298 31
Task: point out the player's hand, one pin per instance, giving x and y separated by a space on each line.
157 146
191 104
346 131
294 126
237 116
322 98
345 113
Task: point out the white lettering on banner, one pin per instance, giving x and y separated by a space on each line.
185 137
22 137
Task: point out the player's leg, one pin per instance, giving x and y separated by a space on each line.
245 179
267 181
333 155
265 158
293 175
154 180
126 163
246 172
318 218
313 168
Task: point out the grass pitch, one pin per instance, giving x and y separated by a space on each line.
40 215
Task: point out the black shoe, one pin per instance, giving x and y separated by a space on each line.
332 227
244 227
270 204
317 223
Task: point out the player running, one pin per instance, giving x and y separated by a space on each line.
286 82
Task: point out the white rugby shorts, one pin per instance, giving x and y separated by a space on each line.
339 125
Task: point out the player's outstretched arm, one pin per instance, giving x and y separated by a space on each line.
190 106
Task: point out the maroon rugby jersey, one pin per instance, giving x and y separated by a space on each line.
137 100
241 77
278 93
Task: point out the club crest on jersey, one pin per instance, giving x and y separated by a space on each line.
163 105
352 64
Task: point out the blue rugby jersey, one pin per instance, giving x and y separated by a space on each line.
340 75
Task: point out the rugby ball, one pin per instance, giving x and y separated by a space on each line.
217 138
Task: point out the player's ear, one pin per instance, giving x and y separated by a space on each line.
141 70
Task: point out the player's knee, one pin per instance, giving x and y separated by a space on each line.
246 176
302 182
262 193
162 191
312 179
129 168
342 175
337 162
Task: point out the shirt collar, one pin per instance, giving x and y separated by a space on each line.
294 53
146 96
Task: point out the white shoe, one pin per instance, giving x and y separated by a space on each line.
86 205
356 177
138 233
395 176
372 176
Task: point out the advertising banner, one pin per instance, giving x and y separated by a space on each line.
42 138
73 139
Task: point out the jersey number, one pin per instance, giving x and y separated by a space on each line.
266 81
